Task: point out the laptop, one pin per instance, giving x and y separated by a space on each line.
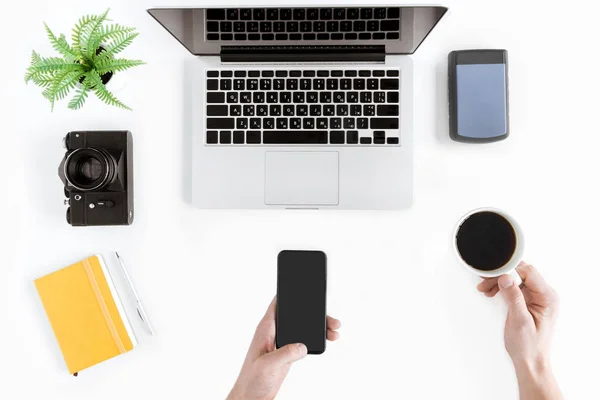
301 107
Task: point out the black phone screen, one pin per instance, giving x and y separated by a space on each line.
301 296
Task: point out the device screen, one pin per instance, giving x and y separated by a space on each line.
301 290
481 100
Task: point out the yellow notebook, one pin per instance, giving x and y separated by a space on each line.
86 314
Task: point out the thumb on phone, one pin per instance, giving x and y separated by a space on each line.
286 354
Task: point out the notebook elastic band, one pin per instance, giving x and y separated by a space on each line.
111 325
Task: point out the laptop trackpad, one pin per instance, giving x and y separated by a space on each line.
301 178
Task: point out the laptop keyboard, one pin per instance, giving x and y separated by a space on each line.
303 107
244 24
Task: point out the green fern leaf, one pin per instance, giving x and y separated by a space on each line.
95 83
114 38
81 27
52 64
63 82
116 65
43 80
90 37
80 96
32 71
60 44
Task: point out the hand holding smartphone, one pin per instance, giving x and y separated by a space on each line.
301 315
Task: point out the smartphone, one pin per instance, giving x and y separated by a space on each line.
301 296
478 95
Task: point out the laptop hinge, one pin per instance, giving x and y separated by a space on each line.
239 54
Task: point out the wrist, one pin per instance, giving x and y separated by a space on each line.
235 394
535 368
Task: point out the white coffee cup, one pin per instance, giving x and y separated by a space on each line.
511 264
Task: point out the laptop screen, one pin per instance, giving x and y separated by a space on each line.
203 31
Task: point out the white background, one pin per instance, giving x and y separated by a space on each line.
414 326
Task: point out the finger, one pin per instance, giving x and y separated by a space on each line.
487 284
270 314
493 291
532 278
332 335
286 355
333 324
517 308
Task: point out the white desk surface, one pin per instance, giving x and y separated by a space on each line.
414 327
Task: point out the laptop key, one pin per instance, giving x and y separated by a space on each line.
225 137
235 110
339 13
216 110
215 97
212 84
393 13
388 110
323 36
282 123
215 14
366 13
392 35
393 97
266 26
364 36
232 97
390 25
319 26
225 84
295 36
248 110
262 110
253 137
240 36
212 137
351 36
312 13
349 123
259 14
212 26
255 123
373 26
337 137
362 123
322 123
212 74
390 84
365 140
333 26
295 137
246 14
252 27
384 123
285 14
352 13
299 14
365 97
238 137
272 14
295 123
226 36
226 26
369 110
379 35
269 123
393 140
254 36
379 137
308 123
352 137
239 27
220 123
232 14
335 123
326 13
379 13
288 110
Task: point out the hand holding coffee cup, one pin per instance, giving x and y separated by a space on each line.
489 243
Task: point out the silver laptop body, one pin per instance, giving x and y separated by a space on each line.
301 107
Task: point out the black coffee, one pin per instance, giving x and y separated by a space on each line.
486 241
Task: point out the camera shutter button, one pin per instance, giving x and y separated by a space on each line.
107 203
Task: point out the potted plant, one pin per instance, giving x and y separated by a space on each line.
87 64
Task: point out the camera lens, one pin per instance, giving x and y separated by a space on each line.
90 169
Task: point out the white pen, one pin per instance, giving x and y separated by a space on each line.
140 309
